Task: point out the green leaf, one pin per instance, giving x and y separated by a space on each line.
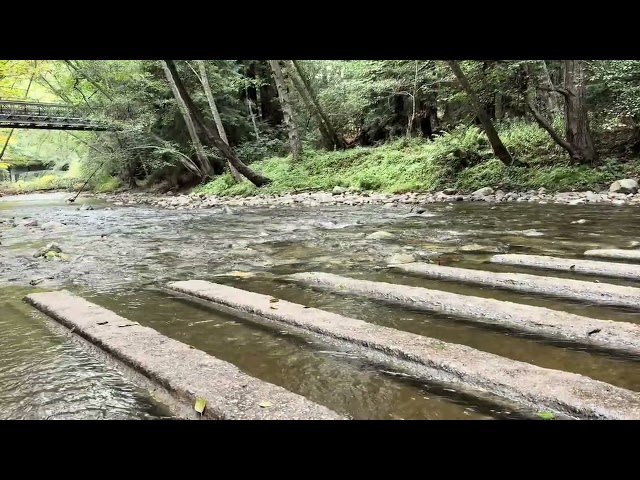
546 415
200 405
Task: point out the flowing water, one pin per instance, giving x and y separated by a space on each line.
119 255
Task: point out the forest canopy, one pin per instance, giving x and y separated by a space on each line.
231 126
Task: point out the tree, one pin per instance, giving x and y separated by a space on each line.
211 133
204 78
303 86
287 109
498 147
577 141
203 161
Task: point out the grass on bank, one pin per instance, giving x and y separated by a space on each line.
58 181
461 159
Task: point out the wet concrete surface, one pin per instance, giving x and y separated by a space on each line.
119 254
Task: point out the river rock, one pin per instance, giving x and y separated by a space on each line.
31 223
449 191
51 225
400 258
338 190
86 207
627 185
380 235
50 250
477 248
483 192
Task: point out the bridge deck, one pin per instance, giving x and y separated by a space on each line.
38 115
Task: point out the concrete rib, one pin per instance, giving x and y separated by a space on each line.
544 322
185 372
594 293
569 393
587 267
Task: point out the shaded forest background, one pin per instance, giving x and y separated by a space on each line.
233 126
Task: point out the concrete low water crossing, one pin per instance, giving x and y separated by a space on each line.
119 255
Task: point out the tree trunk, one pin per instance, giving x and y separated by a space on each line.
552 97
313 111
285 102
203 160
336 139
204 78
494 139
578 133
498 106
211 133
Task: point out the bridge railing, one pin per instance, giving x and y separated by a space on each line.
43 110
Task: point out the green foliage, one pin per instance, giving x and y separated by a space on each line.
546 415
460 159
107 185
369 102
51 181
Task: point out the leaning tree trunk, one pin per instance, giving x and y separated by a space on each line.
204 78
577 129
285 102
494 139
313 111
212 134
203 160
337 141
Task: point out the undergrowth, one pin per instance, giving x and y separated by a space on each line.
461 159
58 181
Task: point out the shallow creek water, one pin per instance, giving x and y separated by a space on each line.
119 255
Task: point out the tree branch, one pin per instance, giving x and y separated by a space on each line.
563 91
543 123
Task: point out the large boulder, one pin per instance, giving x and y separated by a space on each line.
627 185
483 192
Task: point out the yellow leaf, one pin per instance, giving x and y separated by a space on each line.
265 404
274 300
201 403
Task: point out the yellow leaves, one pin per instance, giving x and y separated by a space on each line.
200 405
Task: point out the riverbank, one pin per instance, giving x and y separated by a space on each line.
411 201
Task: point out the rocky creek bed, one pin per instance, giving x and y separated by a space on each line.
115 250
622 192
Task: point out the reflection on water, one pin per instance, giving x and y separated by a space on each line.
46 376
119 253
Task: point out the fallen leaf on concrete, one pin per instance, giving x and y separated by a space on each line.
200 405
265 404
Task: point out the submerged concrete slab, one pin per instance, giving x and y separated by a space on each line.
543 322
563 392
614 254
587 267
185 372
595 293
